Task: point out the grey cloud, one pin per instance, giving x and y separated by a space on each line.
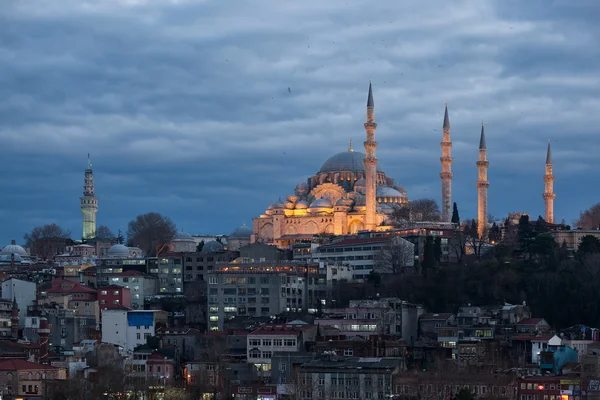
186 110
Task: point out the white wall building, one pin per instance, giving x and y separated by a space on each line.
130 328
267 339
23 291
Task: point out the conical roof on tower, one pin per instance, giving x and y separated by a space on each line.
482 145
370 102
15 305
446 119
549 154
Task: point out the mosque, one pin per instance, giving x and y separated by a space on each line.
350 193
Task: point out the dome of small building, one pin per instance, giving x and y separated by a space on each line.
241 232
288 205
386 191
278 205
15 249
118 250
347 161
212 247
321 203
301 189
183 236
302 205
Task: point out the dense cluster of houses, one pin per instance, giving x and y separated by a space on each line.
259 322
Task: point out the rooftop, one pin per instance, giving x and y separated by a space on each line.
283 329
21 365
357 241
435 317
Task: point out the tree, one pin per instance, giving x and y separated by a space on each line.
200 246
588 245
401 214
104 233
589 219
495 234
525 234
544 247
428 256
475 240
150 232
437 249
455 216
424 210
120 238
395 256
48 231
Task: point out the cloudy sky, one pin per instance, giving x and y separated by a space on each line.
185 108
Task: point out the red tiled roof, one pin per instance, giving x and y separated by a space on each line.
75 288
436 317
530 321
21 365
349 242
284 329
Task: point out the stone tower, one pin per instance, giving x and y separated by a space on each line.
371 164
549 195
446 173
482 187
89 204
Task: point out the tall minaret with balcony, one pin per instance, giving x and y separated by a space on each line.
446 173
371 165
482 187
549 195
89 203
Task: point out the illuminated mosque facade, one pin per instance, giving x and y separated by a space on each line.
350 193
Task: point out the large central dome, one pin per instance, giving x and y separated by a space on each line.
347 161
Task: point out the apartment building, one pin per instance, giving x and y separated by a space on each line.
141 285
263 289
277 338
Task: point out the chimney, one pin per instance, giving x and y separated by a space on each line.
44 333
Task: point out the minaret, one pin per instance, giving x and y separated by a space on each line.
14 320
371 164
482 187
549 195
446 173
89 204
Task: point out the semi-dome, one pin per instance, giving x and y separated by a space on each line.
347 161
301 205
386 191
118 250
241 232
321 203
212 247
15 249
